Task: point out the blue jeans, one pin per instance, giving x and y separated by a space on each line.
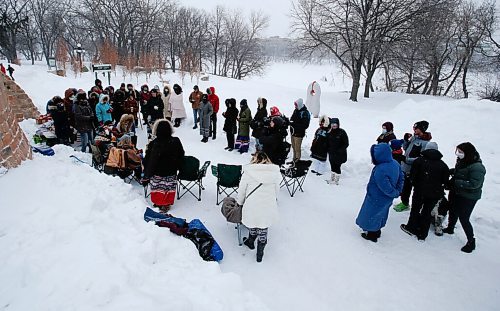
86 138
196 113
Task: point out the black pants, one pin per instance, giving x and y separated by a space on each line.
461 208
230 140
335 167
405 194
420 215
213 124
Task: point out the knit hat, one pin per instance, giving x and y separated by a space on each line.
278 121
243 102
274 111
421 125
431 145
335 121
388 126
396 144
300 103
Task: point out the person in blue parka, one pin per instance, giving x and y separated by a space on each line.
386 183
103 109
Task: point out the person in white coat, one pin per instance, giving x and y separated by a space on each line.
313 98
167 110
257 194
177 105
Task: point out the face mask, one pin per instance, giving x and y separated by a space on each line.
384 131
460 154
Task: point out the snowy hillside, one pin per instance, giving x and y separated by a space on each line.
74 239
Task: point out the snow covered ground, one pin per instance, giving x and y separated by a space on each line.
74 239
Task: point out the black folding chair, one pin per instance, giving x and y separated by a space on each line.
191 175
228 179
294 176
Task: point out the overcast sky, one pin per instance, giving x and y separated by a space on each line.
277 10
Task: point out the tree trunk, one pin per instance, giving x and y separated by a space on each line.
464 84
368 83
355 86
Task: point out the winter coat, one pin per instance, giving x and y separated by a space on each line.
61 122
260 209
386 183
257 123
144 99
117 105
84 117
244 122
177 106
230 123
167 109
155 102
299 122
163 157
206 110
102 110
319 146
272 144
337 146
195 99
429 174
130 106
386 138
468 179
413 148
68 106
214 100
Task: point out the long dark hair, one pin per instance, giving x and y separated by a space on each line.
470 152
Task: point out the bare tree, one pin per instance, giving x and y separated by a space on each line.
13 14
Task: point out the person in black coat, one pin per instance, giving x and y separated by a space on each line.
84 120
230 115
299 122
272 141
338 141
429 175
61 122
257 123
117 104
155 106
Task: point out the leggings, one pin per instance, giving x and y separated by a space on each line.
260 234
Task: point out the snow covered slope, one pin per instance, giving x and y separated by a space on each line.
75 239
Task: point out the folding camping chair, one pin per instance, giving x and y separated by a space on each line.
191 175
294 176
228 179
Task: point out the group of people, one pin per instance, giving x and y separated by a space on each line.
9 69
415 163
401 165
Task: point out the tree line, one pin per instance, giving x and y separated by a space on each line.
422 46
158 34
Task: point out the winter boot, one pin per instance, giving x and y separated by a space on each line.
337 178
449 230
469 247
401 207
371 235
407 230
438 225
250 241
260 250
214 136
332 179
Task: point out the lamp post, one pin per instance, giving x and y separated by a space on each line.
79 51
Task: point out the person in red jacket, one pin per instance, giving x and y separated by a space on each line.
2 68
214 100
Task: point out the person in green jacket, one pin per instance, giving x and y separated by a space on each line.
465 190
243 138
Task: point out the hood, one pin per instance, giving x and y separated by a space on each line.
324 120
300 103
262 103
426 136
102 96
263 173
432 154
68 93
212 90
381 153
335 121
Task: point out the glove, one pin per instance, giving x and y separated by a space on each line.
110 110
155 107
407 137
